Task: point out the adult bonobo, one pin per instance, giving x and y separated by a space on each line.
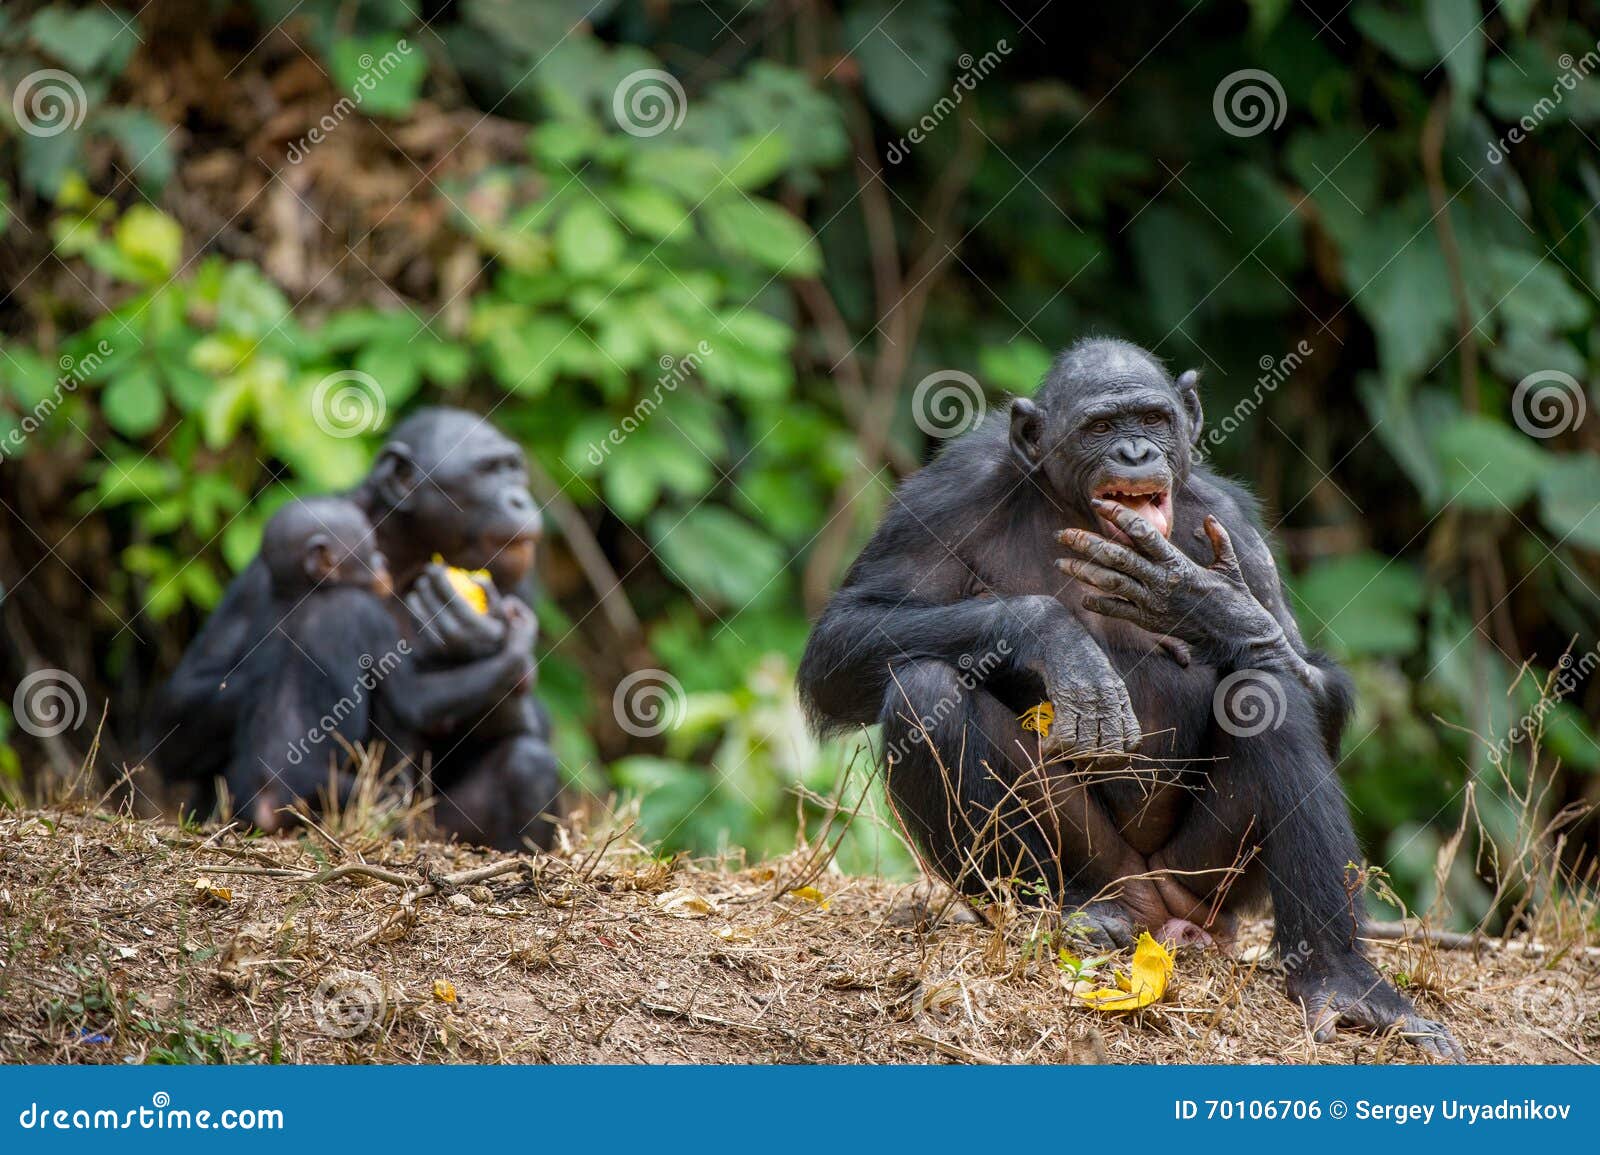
447 483
1157 794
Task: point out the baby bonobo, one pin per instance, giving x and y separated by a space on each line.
335 667
328 646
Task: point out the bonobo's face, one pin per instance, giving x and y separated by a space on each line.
1110 424
322 543
471 502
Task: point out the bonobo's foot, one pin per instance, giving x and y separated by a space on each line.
1103 925
1347 990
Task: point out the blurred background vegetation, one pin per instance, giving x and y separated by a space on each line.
456 199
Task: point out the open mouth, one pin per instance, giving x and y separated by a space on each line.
1150 500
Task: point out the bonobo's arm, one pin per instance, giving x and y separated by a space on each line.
433 699
1233 615
869 628
193 717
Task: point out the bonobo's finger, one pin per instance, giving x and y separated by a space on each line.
1111 555
1221 545
1177 650
1114 608
1144 536
1432 1038
1103 579
1322 1017
424 612
1132 735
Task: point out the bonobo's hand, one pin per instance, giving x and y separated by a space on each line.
522 631
1093 714
1156 586
449 631
1344 989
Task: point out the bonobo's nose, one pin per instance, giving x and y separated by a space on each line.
519 504
1135 451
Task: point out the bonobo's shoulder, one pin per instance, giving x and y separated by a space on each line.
965 467
1240 513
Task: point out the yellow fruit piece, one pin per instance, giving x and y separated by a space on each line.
444 990
810 894
471 584
1039 719
1147 982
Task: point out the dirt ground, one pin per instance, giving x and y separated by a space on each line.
127 940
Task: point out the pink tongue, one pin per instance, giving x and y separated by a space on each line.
1151 510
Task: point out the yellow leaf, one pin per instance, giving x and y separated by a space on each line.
207 891
444 991
685 903
1147 982
811 894
1038 718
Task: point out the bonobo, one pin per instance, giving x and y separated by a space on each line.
1157 793
446 483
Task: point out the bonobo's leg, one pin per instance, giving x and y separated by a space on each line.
959 771
505 794
1277 794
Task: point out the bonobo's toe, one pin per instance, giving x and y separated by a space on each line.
1103 925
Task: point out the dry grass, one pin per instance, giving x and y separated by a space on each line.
601 953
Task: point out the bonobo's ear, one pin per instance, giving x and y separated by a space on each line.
395 474
319 560
1189 394
1027 433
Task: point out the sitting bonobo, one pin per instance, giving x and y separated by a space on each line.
1156 797
334 668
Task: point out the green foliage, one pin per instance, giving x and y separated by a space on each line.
634 321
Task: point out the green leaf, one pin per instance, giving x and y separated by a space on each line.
649 210
1534 294
1403 35
718 555
134 404
765 233
1486 465
758 160
588 242
1362 604
1569 499
904 52
396 368
1456 27
146 144
84 39
381 74
1017 366
150 240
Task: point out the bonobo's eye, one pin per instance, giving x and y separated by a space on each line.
1155 417
1101 427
